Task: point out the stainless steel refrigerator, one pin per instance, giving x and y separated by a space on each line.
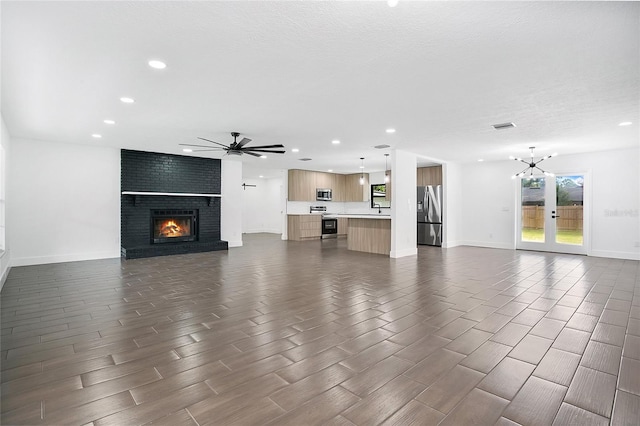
430 215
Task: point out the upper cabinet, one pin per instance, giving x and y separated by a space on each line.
303 184
429 176
353 190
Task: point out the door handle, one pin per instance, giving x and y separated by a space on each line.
553 217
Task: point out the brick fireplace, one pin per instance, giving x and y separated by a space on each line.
170 204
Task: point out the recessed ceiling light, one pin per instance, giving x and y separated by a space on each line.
261 176
392 3
127 100
480 160
263 156
625 123
295 150
187 150
362 167
335 142
97 136
391 130
159 65
109 122
330 170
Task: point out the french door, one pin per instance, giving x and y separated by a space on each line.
552 213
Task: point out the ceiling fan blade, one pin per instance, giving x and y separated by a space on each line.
250 153
217 143
243 142
266 146
201 146
210 149
263 150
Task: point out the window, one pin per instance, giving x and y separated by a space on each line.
379 196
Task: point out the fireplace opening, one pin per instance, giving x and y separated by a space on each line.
174 226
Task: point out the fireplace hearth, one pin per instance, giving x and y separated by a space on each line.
170 226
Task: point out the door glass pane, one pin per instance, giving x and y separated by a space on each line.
533 209
569 201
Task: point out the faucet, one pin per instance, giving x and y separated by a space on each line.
379 208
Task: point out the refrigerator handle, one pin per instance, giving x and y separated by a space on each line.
428 202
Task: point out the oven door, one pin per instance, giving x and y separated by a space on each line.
329 226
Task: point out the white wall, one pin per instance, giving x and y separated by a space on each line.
64 202
489 201
403 204
231 202
5 255
262 206
452 200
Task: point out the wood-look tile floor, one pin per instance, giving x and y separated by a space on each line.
301 333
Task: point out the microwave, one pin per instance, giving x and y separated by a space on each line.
323 194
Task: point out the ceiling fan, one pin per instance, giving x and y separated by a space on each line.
238 148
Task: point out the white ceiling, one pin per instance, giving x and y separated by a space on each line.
305 73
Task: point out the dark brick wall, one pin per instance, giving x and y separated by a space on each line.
154 172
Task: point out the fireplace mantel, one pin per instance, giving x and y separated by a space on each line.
137 194
172 194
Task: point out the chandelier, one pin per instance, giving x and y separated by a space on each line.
531 165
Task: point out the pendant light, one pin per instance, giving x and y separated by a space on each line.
362 171
386 170
531 165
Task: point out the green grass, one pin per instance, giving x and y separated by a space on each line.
562 237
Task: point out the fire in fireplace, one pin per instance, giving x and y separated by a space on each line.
174 225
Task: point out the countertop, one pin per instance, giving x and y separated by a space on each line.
358 216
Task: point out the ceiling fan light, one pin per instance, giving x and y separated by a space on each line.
235 153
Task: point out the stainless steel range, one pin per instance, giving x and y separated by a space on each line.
329 227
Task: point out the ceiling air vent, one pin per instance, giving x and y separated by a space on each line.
305 159
382 146
503 126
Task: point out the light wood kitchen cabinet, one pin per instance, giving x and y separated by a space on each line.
304 227
353 190
324 180
429 176
343 223
302 185
338 187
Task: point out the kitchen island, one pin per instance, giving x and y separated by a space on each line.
369 233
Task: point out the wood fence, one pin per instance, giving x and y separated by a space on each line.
570 217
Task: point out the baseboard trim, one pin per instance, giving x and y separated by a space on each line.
76 257
5 274
486 244
403 253
236 243
451 244
625 255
